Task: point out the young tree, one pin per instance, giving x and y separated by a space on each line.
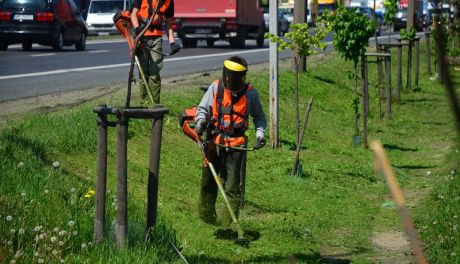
352 33
305 42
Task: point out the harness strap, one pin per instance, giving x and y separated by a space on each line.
220 100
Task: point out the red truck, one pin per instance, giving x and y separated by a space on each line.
211 20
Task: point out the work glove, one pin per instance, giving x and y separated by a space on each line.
137 31
200 126
174 48
260 139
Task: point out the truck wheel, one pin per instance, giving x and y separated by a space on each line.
189 43
59 42
26 46
239 41
210 43
260 37
3 46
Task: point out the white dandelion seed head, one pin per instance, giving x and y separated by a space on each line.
21 164
12 261
41 236
56 164
53 239
61 243
48 248
37 238
83 245
9 218
17 254
23 194
46 191
12 231
21 231
71 223
56 229
453 254
428 173
40 260
75 233
9 243
62 233
36 254
62 261
54 252
73 190
37 228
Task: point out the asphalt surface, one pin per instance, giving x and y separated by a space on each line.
43 71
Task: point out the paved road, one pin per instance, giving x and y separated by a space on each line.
43 71
105 63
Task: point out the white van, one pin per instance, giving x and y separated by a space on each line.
100 16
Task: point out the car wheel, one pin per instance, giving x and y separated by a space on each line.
81 44
3 46
59 42
239 41
26 46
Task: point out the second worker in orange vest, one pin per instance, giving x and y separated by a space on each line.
150 52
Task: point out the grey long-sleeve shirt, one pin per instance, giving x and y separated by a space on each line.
253 108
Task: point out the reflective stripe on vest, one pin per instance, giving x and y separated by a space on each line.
233 118
144 15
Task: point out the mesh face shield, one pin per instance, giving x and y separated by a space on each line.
234 75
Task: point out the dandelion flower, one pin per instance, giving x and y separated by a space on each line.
23 194
453 254
48 248
9 218
10 242
54 252
40 261
53 239
72 190
46 191
56 229
12 261
61 243
75 233
83 245
428 173
71 223
37 228
90 193
21 231
36 254
62 261
17 254
56 165
21 164
62 233
12 231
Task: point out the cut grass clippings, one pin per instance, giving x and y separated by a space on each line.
329 213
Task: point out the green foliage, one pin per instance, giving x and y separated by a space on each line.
408 34
391 7
352 33
301 38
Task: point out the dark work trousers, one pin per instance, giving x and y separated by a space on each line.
228 165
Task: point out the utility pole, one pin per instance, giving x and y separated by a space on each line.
410 14
273 56
300 7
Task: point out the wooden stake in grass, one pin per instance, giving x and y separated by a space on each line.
382 164
299 143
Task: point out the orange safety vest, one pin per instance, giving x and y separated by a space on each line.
155 28
229 116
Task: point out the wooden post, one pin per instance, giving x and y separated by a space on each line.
154 168
388 86
409 65
428 51
399 75
379 72
417 65
101 181
365 98
273 55
299 143
122 179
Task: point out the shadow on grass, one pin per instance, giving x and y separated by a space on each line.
413 167
14 140
312 257
291 145
395 147
421 100
323 79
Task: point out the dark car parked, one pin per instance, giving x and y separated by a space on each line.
55 23
401 20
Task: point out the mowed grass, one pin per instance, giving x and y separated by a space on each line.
331 212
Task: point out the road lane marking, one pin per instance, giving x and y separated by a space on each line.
34 74
98 51
43 55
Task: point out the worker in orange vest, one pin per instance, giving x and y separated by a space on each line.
224 113
150 52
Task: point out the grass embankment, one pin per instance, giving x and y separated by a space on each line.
334 211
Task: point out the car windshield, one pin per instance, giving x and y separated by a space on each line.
35 4
106 6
